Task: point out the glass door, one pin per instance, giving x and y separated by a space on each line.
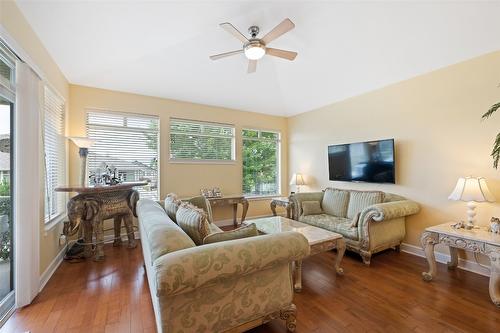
7 98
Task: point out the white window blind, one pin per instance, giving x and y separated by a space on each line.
128 142
261 162
201 141
55 153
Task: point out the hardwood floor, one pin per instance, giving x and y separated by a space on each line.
389 296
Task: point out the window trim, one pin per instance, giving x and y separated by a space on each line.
278 159
110 111
234 150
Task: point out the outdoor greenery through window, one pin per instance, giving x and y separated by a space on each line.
261 154
201 141
128 143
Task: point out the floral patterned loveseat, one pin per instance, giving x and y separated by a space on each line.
370 221
227 286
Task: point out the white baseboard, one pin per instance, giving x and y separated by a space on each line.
229 222
56 262
443 258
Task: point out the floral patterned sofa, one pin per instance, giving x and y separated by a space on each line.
370 221
227 286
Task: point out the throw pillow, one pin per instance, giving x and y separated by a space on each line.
335 202
242 232
171 205
359 200
311 208
194 222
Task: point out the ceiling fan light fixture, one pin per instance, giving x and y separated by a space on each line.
255 51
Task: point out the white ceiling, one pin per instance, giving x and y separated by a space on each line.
161 48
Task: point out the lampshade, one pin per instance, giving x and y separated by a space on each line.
81 141
472 189
297 179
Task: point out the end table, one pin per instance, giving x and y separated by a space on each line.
282 202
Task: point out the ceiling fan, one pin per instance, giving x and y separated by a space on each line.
255 48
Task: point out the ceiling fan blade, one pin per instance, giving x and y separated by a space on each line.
233 31
227 54
252 66
288 55
278 30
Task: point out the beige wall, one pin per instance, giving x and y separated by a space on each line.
435 121
182 178
14 23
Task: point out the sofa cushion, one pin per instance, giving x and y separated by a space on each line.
171 205
336 224
335 202
193 221
311 208
160 234
359 200
242 232
203 203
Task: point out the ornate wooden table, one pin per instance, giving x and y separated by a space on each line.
232 200
475 240
320 240
95 204
282 202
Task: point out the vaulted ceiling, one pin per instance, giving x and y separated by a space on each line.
345 48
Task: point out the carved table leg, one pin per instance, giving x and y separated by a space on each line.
130 230
428 240
453 263
235 212
340 254
297 276
290 316
273 208
494 255
245 210
117 221
99 235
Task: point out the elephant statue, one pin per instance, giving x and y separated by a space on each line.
87 212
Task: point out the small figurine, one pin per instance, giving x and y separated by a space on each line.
495 225
458 225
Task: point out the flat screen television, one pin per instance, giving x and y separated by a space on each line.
371 161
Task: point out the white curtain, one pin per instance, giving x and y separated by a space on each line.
28 189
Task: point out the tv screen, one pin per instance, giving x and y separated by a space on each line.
371 161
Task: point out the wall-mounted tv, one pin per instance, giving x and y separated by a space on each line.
371 161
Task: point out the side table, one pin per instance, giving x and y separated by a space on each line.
474 240
282 202
232 200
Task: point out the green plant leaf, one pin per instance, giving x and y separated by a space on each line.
490 112
495 153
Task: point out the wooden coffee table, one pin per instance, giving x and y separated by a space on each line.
320 240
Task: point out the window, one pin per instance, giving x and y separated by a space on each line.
261 155
201 141
55 153
127 142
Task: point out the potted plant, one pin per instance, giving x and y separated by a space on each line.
495 153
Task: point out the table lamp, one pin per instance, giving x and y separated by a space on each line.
471 190
297 180
84 144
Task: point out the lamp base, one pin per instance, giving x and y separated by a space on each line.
471 213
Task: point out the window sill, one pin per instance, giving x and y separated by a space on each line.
54 222
262 197
202 162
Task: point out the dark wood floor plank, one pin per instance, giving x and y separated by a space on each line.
390 296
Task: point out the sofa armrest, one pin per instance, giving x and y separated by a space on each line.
298 198
186 270
389 210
